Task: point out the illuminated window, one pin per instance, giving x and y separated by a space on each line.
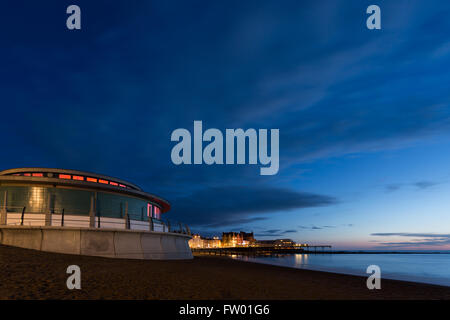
91 179
27 174
103 181
64 176
113 183
38 174
81 178
157 212
149 209
123 186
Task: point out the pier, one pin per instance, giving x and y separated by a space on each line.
262 251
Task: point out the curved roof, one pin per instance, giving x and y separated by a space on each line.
79 179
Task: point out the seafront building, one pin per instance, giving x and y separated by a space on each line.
86 213
198 242
278 243
234 239
239 240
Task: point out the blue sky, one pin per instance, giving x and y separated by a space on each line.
363 115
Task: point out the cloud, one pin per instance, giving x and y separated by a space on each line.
310 228
234 205
420 185
275 233
323 227
321 94
272 231
393 187
408 234
418 240
236 222
425 184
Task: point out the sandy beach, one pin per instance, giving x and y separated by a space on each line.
28 274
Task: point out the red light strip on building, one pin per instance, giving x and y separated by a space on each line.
74 177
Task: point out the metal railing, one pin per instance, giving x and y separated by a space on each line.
61 217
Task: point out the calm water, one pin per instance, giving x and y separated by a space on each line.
428 268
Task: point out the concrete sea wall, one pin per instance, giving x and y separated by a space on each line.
111 243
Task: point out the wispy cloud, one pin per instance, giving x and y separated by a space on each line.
409 234
310 227
392 187
275 233
425 184
419 185
235 205
418 240
313 227
236 222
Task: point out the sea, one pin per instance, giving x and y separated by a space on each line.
426 267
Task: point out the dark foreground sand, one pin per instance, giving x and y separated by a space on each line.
28 274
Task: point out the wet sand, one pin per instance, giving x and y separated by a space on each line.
28 274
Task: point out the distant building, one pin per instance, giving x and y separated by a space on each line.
231 239
248 239
234 239
284 243
213 242
239 239
198 242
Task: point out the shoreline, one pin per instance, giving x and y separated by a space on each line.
344 271
282 252
348 271
28 274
